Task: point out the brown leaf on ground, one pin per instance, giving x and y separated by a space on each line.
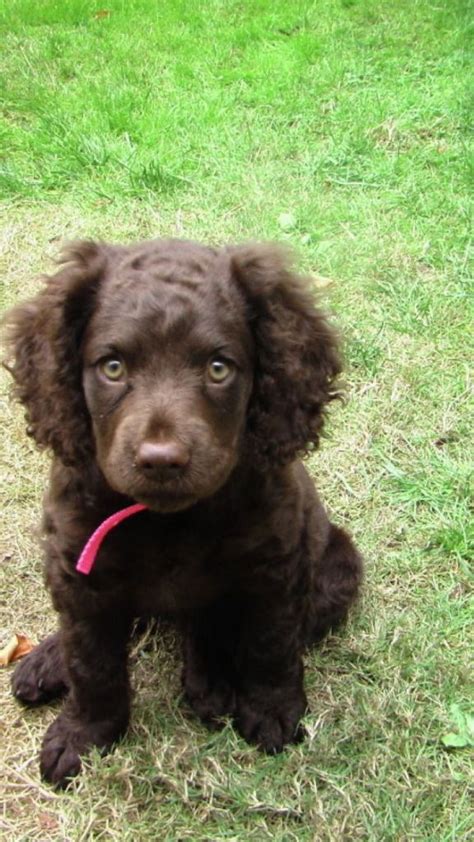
17 647
48 822
321 281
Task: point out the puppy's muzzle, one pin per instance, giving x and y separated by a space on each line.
162 461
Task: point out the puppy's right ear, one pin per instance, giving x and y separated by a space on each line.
44 337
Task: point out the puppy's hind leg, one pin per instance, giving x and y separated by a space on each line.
336 585
40 677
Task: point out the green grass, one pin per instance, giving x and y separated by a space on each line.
341 128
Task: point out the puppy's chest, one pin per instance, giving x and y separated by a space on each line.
174 578
175 568
174 586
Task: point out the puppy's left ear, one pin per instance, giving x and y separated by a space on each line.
297 359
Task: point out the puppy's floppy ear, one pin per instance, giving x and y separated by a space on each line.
297 360
44 337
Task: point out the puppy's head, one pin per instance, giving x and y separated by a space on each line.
169 362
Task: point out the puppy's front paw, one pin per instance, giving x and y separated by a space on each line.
66 740
60 754
270 718
39 677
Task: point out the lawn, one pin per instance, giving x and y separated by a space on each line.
341 128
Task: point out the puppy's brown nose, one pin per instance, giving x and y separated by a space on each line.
163 460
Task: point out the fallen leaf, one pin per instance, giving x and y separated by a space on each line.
102 13
47 822
17 647
287 221
321 281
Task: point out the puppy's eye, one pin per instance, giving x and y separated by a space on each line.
112 368
218 370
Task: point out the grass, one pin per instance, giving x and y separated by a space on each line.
341 128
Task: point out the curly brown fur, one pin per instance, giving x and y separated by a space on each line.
189 379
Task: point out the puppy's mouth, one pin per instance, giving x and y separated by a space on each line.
166 503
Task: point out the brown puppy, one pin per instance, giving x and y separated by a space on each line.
188 379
